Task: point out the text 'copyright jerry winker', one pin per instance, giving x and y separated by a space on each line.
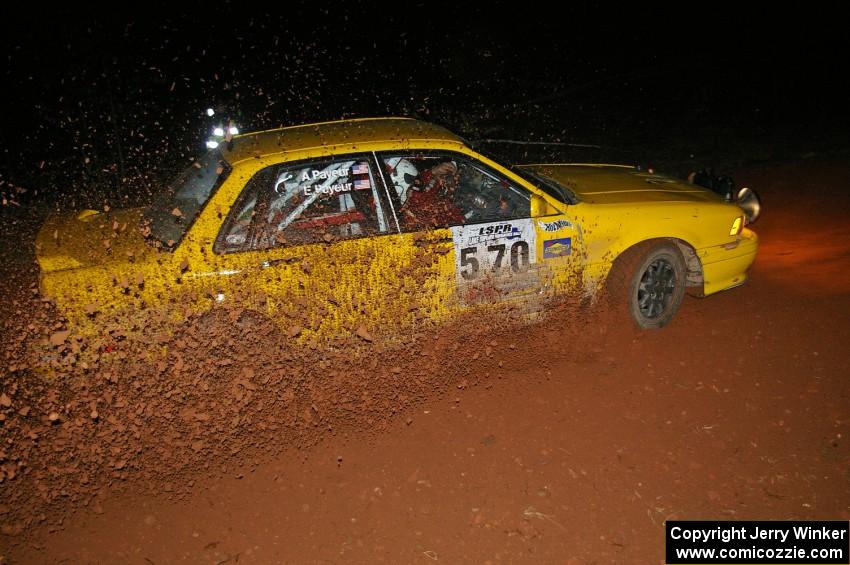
754 542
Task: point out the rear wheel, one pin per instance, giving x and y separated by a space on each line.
648 282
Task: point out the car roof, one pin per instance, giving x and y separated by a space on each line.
357 134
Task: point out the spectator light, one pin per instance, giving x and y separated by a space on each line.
222 133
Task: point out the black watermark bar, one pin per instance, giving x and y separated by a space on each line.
760 543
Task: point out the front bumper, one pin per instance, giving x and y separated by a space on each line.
725 266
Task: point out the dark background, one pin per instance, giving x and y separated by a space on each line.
102 107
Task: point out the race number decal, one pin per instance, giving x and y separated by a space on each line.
495 256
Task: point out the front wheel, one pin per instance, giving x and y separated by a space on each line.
649 281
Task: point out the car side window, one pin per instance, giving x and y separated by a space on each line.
438 191
309 202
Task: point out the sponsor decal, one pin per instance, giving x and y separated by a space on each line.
553 248
495 229
555 225
283 181
500 249
493 232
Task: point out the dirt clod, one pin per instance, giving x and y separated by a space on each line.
363 333
58 338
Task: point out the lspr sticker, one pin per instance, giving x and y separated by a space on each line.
495 260
493 249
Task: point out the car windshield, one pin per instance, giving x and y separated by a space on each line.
168 219
548 185
545 183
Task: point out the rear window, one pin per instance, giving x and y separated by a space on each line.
308 202
167 220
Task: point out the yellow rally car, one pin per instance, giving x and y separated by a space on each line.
382 223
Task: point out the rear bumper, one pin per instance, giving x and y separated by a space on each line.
724 267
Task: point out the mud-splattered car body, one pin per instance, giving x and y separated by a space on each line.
330 228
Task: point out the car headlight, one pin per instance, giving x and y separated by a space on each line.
737 226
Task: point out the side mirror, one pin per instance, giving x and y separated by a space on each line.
748 201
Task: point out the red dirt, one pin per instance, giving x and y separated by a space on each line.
570 441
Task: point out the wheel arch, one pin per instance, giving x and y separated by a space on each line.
695 280
694 283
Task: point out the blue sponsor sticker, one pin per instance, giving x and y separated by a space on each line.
557 247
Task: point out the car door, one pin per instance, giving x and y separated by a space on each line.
309 243
493 238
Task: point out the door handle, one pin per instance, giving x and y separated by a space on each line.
424 242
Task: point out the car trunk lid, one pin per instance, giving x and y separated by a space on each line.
87 238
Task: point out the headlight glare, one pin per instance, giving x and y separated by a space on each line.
737 226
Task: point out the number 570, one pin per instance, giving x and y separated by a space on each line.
519 259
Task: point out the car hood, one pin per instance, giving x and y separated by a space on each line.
82 239
617 184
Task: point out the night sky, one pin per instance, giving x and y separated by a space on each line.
110 104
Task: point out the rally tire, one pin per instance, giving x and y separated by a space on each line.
647 283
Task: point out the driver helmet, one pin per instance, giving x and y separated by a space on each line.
403 174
